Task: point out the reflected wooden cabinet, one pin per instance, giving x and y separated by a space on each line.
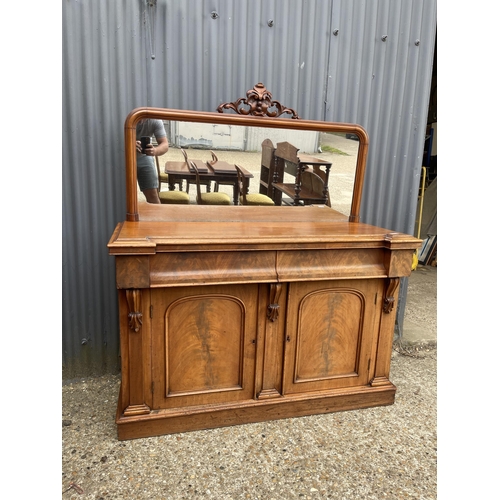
310 185
238 314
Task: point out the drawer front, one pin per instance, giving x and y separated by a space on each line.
198 268
307 265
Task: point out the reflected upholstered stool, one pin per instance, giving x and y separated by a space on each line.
173 198
251 198
208 198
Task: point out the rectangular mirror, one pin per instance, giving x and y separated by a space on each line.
237 139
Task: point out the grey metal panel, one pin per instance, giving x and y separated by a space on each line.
100 86
201 62
380 76
118 55
384 86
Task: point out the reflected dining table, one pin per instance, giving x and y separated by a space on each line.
220 172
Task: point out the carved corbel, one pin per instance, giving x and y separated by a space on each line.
273 307
390 290
134 307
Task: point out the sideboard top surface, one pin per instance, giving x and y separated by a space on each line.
171 228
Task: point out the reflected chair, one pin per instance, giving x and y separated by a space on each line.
208 198
267 167
162 176
212 162
251 198
169 197
205 183
313 180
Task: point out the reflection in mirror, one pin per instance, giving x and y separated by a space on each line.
242 145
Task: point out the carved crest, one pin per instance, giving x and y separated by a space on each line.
258 103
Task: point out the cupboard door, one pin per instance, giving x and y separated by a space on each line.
203 341
332 329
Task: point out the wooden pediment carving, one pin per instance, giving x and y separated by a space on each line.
258 103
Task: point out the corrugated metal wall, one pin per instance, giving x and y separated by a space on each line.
339 60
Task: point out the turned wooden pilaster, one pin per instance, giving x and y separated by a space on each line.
273 307
272 347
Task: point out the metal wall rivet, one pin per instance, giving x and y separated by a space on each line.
214 15
270 23
335 32
417 42
384 38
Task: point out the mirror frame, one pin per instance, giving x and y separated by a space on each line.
235 119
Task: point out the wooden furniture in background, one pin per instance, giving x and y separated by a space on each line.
178 171
204 182
162 176
267 165
207 198
252 198
237 314
288 161
313 181
170 197
220 167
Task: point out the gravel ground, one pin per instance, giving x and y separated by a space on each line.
380 453
386 452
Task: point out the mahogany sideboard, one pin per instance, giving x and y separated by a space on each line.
238 314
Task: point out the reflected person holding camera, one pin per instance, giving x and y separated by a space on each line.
147 176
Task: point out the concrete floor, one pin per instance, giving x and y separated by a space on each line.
420 318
